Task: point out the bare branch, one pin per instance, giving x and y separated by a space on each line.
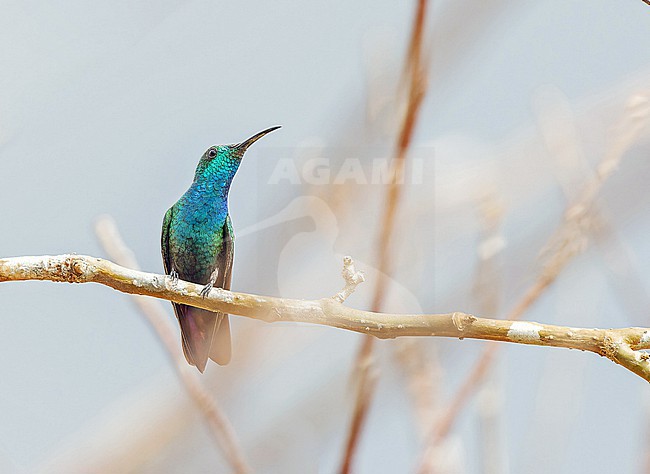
622 346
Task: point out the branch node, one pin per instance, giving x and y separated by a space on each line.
609 348
352 279
70 269
79 267
462 320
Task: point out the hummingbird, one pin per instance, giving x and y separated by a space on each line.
198 246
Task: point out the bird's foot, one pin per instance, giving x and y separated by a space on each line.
206 290
174 276
213 278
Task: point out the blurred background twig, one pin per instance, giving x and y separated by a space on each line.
365 372
568 241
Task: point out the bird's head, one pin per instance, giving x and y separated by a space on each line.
224 160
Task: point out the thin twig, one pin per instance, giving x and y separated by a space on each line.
487 290
215 417
366 374
352 279
424 375
560 134
416 92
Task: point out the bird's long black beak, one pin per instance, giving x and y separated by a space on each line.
246 143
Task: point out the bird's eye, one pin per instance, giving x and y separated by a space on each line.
212 152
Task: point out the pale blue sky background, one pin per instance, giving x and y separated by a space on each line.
106 107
